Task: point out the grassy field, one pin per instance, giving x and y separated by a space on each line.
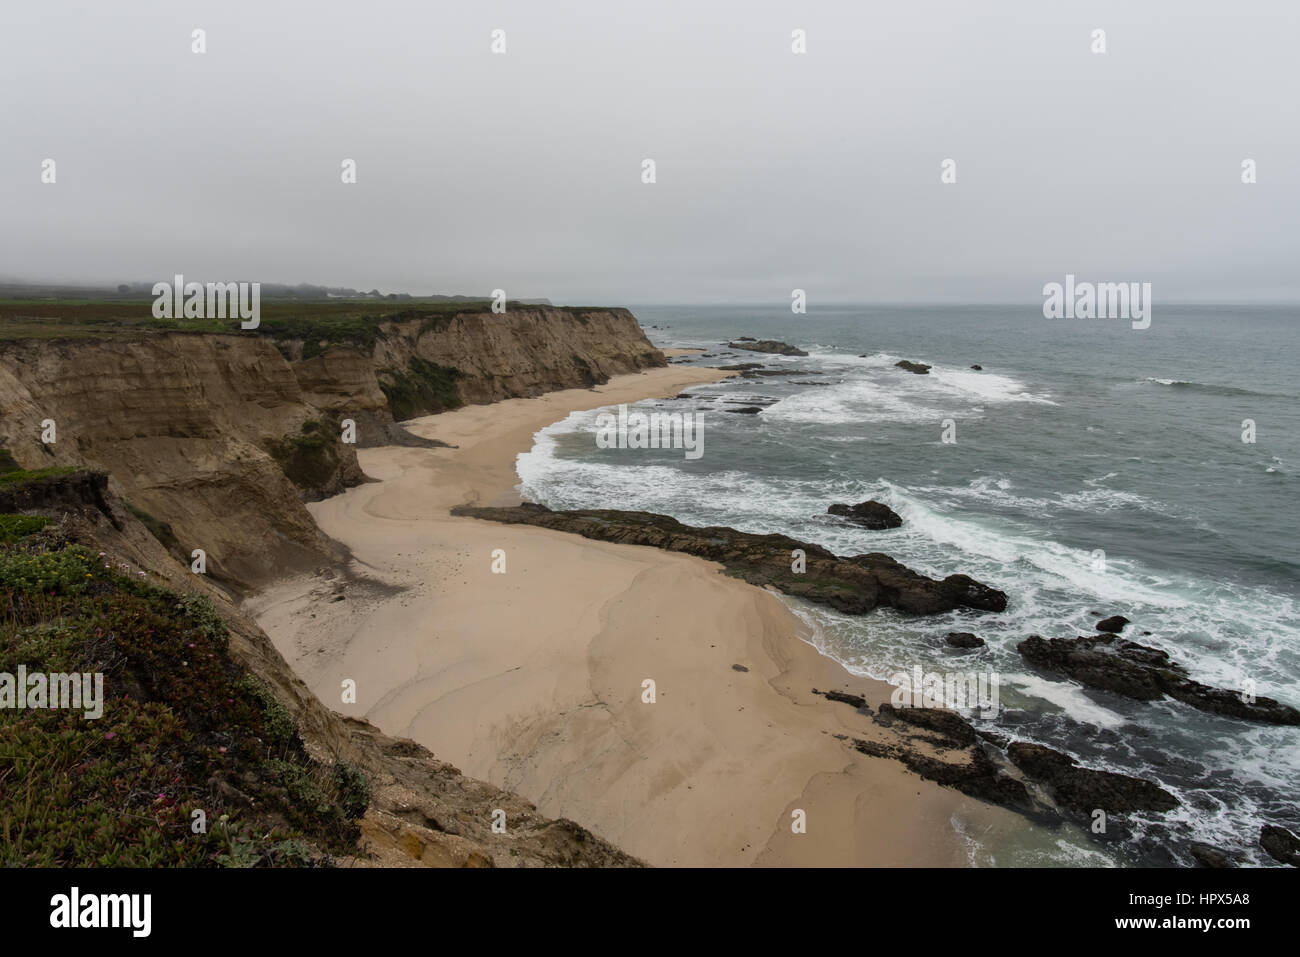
334 321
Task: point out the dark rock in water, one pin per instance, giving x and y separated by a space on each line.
844 697
980 777
862 356
949 725
920 368
966 591
745 410
1281 844
964 639
746 339
978 368
739 668
1209 856
767 345
1084 790
1111 663
741 366
870 514
1114 624
853 585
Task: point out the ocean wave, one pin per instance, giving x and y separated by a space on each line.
1210 388
880 393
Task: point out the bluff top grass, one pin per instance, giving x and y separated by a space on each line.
351 321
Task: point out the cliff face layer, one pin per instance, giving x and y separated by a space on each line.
524 352
218 439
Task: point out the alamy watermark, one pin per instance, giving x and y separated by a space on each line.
651 430
1101 300
53 690
215 300
970 691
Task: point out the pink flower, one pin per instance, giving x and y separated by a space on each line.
110 734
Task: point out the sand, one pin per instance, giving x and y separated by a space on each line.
533 679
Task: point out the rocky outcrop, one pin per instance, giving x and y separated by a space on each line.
854 585
1114 624
522 352
942 746
919 368
964 639
55 491
844 697
771 346
949 726
1208 855
1111 663
1083 789
1281 844
869 514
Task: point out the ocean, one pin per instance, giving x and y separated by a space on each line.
1096 470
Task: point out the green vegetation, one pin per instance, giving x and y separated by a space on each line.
21 476
14 527
423 388
310 461
184 728
319 324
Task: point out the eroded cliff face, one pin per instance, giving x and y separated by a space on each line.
219 439
524 352
183 425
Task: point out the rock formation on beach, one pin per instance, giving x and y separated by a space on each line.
869 514
767 345
854 584
1039 782
964 639
1281 844
919 368
1110 663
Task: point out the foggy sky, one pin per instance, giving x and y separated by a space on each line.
775 171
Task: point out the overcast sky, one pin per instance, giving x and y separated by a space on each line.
774 170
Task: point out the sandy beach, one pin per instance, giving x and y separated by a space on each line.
532 679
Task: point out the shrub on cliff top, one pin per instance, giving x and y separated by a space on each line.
15 527
310 461
19 476
422 388
183 728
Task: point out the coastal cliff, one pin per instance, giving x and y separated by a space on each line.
216 440
201 713
139 445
